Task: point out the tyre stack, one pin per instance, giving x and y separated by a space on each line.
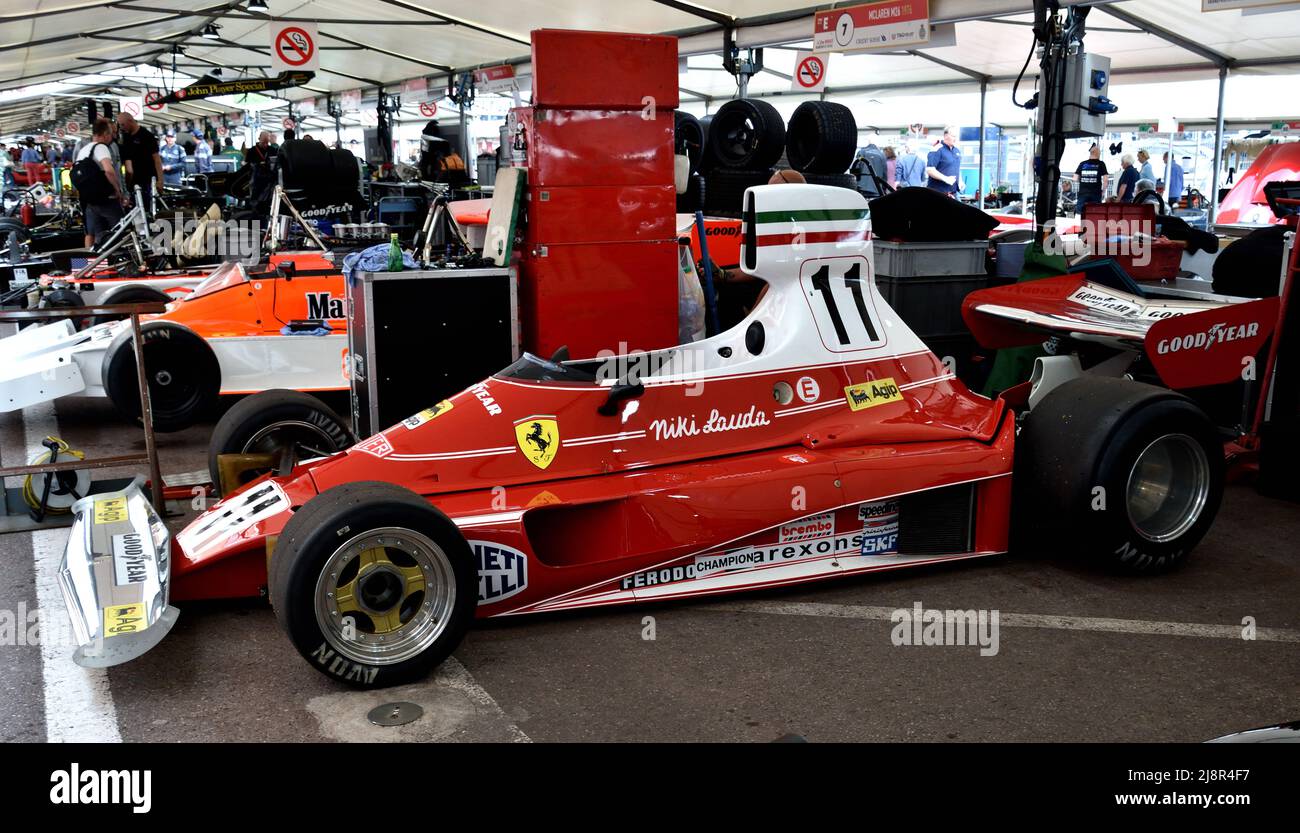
820 143
744 140
689 135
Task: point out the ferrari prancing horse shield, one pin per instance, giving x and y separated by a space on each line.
539 439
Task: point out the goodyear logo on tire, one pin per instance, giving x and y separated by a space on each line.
870 394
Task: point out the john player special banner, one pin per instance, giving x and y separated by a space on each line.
207 86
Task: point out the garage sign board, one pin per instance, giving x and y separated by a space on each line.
1220 5
293 47
495 79
871 25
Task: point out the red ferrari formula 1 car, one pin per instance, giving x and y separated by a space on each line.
817 438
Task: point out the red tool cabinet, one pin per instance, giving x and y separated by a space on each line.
599 262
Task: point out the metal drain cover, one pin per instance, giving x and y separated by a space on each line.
394 714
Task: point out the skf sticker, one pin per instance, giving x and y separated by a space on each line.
871 394
123 619
879 527
539 439
377 445
427 414
110 510
502 571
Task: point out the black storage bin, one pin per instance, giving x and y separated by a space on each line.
931 307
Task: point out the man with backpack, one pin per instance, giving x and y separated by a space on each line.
96 181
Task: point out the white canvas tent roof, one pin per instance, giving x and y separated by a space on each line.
77 48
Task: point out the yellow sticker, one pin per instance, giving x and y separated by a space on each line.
123 619
871 394
427 414
110 510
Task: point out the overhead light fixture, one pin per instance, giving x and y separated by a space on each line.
212 32
257 5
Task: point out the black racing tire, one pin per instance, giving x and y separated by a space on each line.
706 156
182 371
746 133
724 189
691 201
306 164
317 547
346 173
821 138
688 138
1121 474
838 180
129 295
8 224
62 299
272 419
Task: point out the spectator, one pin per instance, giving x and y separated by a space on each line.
68 153
1145 172
6 168
140 155
173 159
290 134
909 168
260 156
1173 179
1092 177
1069 199
102 207
943 168
1128 179
891 167
51 154
1145 192
230 150
30 152
203 157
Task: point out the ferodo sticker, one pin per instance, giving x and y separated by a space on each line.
879 527
123 619
502 571
427 414
871 394
110 510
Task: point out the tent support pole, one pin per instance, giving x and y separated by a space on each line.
984 91
1218 148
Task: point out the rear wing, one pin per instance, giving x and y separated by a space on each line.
1191 343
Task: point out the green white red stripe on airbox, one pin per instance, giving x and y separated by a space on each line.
794 227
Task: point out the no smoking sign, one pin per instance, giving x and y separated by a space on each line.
809 73
293 47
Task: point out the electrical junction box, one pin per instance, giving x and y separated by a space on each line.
1087 95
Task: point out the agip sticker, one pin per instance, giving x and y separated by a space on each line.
870 394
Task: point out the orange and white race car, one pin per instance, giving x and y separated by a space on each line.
241 330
